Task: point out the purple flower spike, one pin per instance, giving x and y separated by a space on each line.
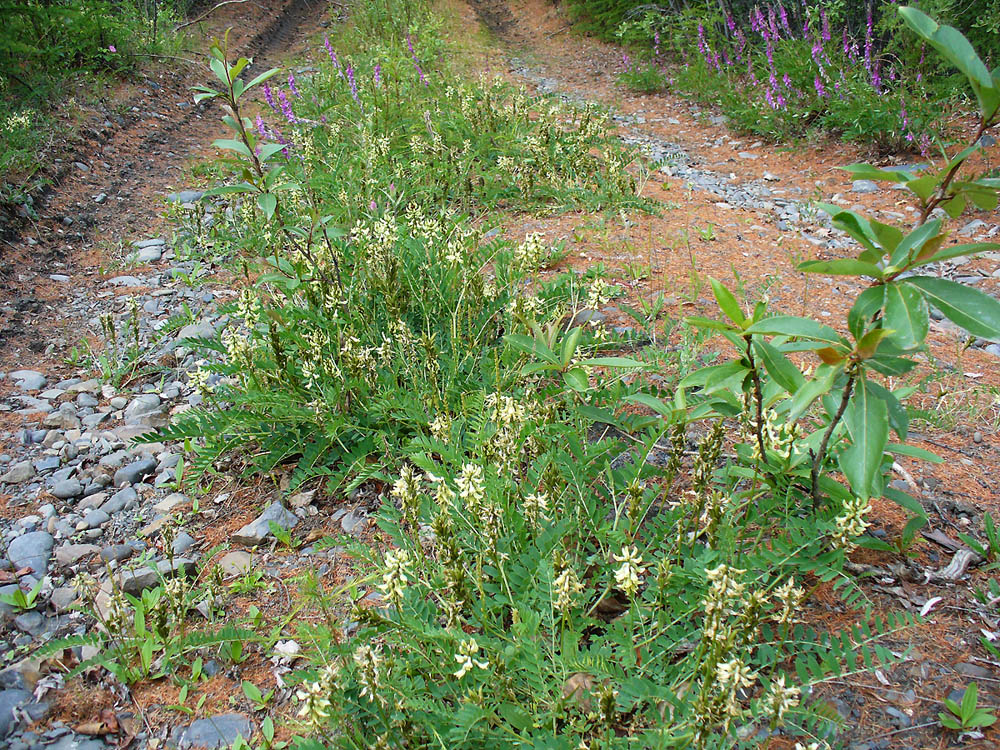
350 80
286 108
820 91
261 128
378 74
291 85
269 97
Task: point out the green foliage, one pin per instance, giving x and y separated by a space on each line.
22 600
967 714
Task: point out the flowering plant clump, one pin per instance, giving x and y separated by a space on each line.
780 70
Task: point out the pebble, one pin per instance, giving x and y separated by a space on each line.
259 529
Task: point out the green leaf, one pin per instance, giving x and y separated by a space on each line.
969 700
778 366
868 172
855 225
714 325
977 313
948 722
914 241
268 150
727 302
707 377
956 49
898 418
261 78
867 423
219 69
229 144
656 404
268 203
869 302
906 315
905 500
612 362
842 267
957 251
790 325
820 385
577 379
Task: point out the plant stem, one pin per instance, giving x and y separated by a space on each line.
821 453
758 397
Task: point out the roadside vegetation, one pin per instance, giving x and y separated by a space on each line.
570 553
782 70
56 55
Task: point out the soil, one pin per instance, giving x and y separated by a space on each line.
146 151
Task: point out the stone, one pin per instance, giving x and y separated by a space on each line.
119 500
141 408
28 380
135 471
185 196
64 597
96 518
864 186
257 530
170 502
196 331
31 550
20 472
215 732
31 622
149 254
973 670
117 552
593 317
182 543
353 521
974 226
70 554
235 563
10 700
67 489
76 742
126 281
135 582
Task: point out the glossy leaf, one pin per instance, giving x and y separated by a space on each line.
977 313
842 267
867 423
778 367
728 302
790 325
906 314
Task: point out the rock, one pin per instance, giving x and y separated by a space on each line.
76 742
135 471
117 552
185 196
141 408
257 530
96 518
149 254
30 622
64 597
196 331
28 380
10 700
182 543
20 472
67 489
354 521
215 732
119 500
235 563
973 670
594 317
70 554
31 550
126 281
974 226
864 186
135 581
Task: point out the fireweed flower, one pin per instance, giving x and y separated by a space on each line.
466 658
820 91
286 108
291 85
261 127
353 83
269 97
825 21
112 48
378 74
